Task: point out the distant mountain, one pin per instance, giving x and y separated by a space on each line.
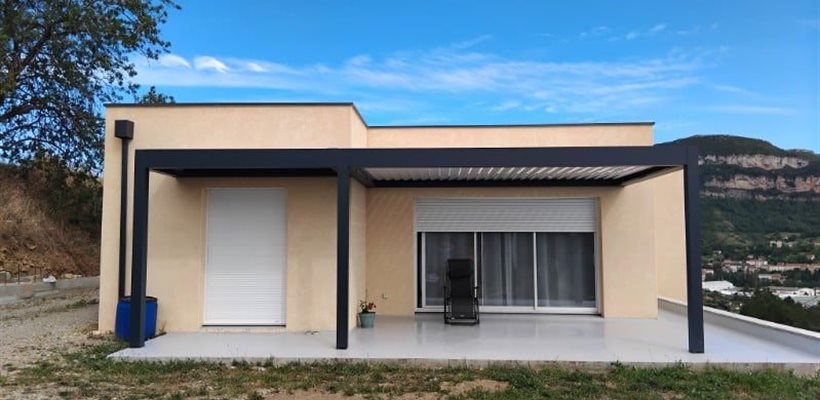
754 192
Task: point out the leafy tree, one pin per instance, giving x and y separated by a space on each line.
154 97
765 305
60 60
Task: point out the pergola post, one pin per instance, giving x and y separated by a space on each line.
694 287
342 255
139 253
124 130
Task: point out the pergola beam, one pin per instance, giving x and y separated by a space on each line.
248 159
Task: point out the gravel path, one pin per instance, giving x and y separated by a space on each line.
42 328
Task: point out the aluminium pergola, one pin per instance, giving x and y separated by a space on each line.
442 167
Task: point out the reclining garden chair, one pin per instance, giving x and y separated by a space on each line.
460 293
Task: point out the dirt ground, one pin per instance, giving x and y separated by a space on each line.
40 328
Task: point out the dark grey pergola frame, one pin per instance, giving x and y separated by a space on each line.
351 163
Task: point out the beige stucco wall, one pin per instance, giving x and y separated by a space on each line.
358 130
627 260
506 136
358 249
382 243
670 236
628 252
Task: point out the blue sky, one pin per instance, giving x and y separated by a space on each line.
694 67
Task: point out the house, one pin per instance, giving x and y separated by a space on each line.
284 216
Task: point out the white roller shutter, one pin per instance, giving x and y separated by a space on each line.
245 269
506 215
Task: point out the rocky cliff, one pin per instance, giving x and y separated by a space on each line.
744 168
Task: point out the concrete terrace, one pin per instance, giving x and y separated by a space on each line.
528 339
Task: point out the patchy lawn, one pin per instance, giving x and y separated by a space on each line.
87 373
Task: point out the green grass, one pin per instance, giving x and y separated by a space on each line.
88 373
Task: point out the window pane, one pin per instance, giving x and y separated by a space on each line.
566 269
439 247
506 269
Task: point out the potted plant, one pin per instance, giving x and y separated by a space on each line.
367 314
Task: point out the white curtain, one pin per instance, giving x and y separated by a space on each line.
566 269
506 269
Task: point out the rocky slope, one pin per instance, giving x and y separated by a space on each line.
37 240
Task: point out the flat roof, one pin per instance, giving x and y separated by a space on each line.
351 104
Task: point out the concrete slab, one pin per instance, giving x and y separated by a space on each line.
528 339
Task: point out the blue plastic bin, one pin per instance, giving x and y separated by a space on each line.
122 328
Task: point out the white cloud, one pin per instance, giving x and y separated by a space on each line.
684 32
750 109
507 105
471 42
596 31
411 79
206 63
734 89
657 28
173 60
255 67
654 30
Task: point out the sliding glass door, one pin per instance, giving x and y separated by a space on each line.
516 271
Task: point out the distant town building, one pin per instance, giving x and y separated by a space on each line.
770 277
756 263
784 292
808 297
722 287
788 267
779 244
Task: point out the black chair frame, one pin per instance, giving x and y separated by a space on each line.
461 304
